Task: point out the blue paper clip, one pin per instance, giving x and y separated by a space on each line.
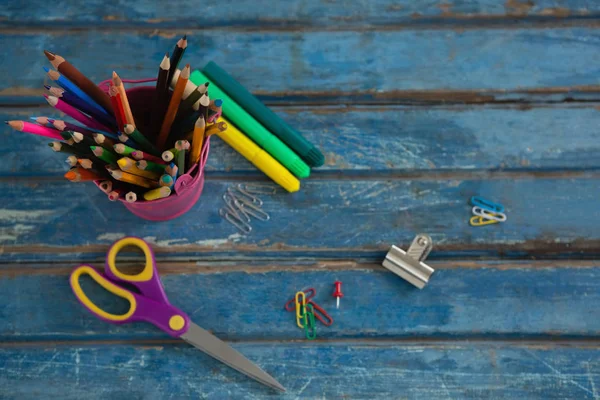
486 204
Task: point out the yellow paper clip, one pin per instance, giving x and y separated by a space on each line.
480 221
300 308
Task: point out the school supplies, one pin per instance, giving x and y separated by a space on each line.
28 127
409 264
149 303
320 314
240 95
337 293
260 158
240 205
258 133
310 328
485 212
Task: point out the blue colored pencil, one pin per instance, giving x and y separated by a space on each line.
69 86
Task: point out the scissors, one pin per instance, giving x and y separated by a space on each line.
152 305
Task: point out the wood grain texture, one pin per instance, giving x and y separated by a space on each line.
357 371
546 217
542 215
386 139
330 62
295 13
478 302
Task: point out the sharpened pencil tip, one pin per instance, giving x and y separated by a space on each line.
184 37
49 54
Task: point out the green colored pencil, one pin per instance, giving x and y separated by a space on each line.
140 139
123 149
151 166
181 162
104 154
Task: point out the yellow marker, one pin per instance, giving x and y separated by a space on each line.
129 165
257 156
159 193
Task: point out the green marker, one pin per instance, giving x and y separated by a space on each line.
264 115
251 127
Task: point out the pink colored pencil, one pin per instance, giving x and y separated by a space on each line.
36 129
74 113
140 155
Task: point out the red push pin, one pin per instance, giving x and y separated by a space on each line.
337 293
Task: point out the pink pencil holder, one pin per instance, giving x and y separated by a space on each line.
188 187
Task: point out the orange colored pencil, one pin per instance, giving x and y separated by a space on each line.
79 174
118 83
173 106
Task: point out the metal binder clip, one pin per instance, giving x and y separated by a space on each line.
409 264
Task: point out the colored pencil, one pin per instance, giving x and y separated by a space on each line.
131 197
74 113
172 109
133 179
115 194
79 137
62 125
79 174
129 165
182 145
158 193
151 166
118 84
140 139
35 129
104 141
69 86
177 55
181 161
190 100
45 121
166 180
161 94
82 105
104 154
117 107
98 167
123 149
140 155
71 160
63 148
75 76
172 170
197 140
215 110
106 186
168 155
217 127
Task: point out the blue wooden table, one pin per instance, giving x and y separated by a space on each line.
417 106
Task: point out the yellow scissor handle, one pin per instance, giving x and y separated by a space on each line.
300 308
106 284
111 259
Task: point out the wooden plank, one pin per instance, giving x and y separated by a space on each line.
316 62
387 139
244 13
336 219
347 370
468 300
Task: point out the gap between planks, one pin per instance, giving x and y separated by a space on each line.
207 267
546 342
556 18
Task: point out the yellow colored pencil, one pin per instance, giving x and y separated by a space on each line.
159 193
133 179
129 165
197 141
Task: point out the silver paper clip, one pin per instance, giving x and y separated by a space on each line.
409 264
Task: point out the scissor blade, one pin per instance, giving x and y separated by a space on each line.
216 348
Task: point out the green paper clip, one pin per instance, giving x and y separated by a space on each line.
309 322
